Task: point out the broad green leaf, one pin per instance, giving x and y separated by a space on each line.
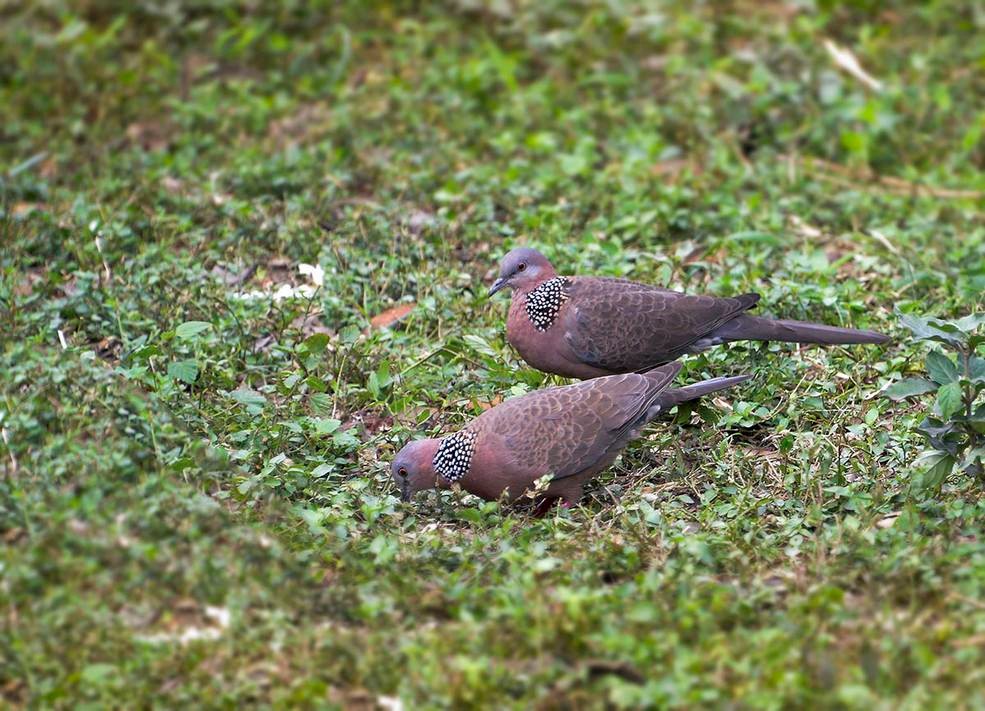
184 370
480 344
976 368
973 457
574 163
379 380
247 485
909 387
145 352
941 466
325 426
314 520
917 326
970 323
291 380
135 373
855 142
942 369
933 330
346 438
321 403
977 419
291 426
934 427
942 325
349 334
190 329
316 343
96 674
315 384
755 237
321 470
385 548
949 400
948 333
469 514
383 375
373 385
248 397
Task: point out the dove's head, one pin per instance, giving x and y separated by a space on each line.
523 269
413 468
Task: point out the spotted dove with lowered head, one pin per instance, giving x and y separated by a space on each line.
586 327
569 433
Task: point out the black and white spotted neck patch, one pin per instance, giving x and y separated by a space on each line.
454 455
544 302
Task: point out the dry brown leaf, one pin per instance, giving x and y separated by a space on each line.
151 135
264 343
391 315
803 228
22 209
487 404
13 535
108 348
672 167
370 421
694 255
311 324
12 691
303 125
49 169
26 286
419 220
976 640
172 185
353 699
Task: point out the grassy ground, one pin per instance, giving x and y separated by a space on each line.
194 501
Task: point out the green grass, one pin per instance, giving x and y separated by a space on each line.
762 551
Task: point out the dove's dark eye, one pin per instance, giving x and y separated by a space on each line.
521 267
402 471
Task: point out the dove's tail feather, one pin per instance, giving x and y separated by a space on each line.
755 328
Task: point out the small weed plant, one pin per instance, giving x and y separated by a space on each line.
955 375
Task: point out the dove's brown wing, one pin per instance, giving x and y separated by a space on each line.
566 430
622 326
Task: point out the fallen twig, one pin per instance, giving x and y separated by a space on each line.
856 177
10 451
847 60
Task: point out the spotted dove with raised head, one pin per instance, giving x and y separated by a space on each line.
569 433
586 327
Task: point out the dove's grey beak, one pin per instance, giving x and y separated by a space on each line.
405 494
497 285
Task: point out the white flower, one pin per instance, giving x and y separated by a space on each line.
286 291
314 271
